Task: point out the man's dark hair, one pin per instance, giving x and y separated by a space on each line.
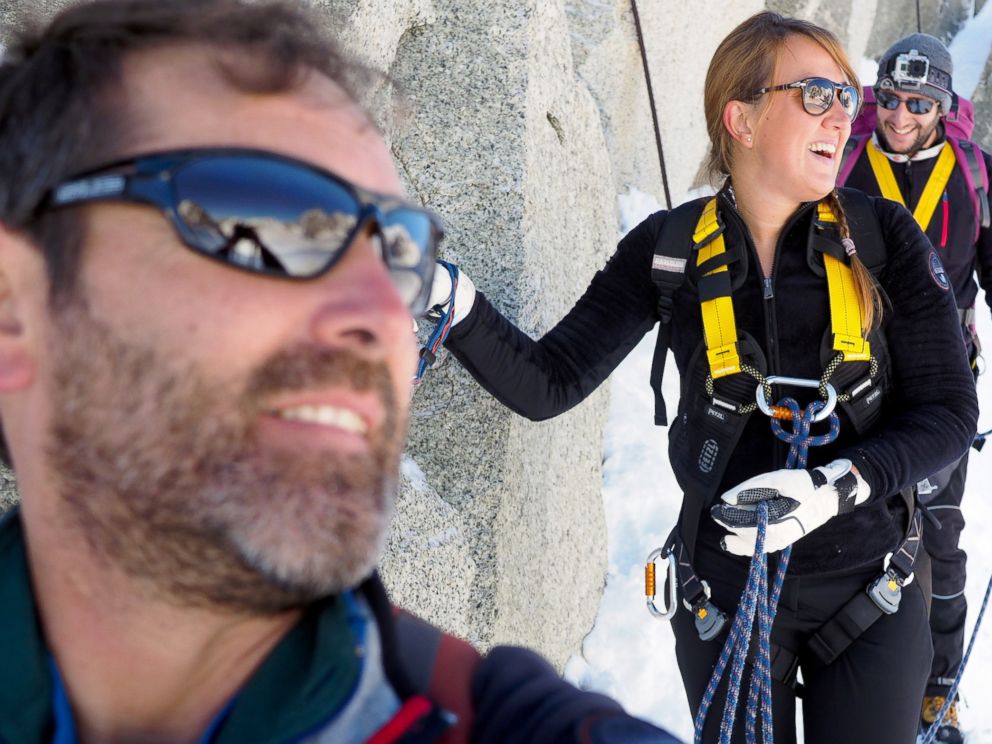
57 83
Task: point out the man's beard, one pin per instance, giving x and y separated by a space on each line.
918 144
161 473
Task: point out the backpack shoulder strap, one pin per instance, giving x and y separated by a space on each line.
668 267
976 175
852 151
439 666
865 228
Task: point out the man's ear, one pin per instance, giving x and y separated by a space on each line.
18 258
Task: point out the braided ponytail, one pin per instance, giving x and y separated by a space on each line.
869 296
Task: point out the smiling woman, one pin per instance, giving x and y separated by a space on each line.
771 289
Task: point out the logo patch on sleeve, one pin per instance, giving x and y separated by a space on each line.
937 271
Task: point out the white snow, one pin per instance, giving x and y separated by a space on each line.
629 654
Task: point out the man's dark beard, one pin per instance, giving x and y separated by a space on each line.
918 144
162 476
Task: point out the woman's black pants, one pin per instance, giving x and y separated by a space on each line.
871 694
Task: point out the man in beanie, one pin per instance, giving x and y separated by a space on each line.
916 156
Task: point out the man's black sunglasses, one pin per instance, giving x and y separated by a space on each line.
267 214
914 105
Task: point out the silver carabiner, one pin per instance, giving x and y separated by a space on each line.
649 584
763 404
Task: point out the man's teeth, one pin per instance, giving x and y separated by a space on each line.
824 148
904 130
326 416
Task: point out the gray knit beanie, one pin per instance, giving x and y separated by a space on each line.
918 64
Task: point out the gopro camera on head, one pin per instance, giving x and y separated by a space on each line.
910 70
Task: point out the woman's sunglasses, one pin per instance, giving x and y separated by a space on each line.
914 105
818 95
267 214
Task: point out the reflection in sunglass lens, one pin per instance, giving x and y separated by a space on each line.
849 100
265 215
818 97
914 105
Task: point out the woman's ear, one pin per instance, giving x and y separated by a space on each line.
737 120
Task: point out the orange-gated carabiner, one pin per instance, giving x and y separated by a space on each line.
649 584
781 412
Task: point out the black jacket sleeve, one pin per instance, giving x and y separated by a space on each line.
934 408
518 697
543 378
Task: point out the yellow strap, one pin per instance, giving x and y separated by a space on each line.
935 187
845 310
719 325
882 169
936 184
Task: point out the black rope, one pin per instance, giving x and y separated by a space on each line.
919 25
654 111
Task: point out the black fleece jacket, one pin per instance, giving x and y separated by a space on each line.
952 228
928 420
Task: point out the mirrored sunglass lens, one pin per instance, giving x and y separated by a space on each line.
919 105
409 249
265 215
818 94
850 100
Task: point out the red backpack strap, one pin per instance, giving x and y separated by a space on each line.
439 666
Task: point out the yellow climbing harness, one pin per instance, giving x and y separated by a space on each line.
719 325
923 213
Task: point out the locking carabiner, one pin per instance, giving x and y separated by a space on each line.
775 411
649 584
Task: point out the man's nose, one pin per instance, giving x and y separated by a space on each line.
358 306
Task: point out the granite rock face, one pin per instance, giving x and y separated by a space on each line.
983 108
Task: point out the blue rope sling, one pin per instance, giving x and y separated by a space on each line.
757 602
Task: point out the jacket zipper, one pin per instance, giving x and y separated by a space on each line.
768 299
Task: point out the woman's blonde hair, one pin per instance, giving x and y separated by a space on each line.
743 64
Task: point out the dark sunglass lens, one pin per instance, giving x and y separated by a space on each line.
265 215
919 105
889 103
818 94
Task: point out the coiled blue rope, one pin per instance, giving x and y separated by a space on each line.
756 601
928 737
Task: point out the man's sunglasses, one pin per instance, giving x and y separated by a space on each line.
267 214
913 105
818 95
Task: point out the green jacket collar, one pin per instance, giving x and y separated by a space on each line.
303 683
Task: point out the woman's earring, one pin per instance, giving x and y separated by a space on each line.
749 139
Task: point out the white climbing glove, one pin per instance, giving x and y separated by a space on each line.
799 501
440 294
